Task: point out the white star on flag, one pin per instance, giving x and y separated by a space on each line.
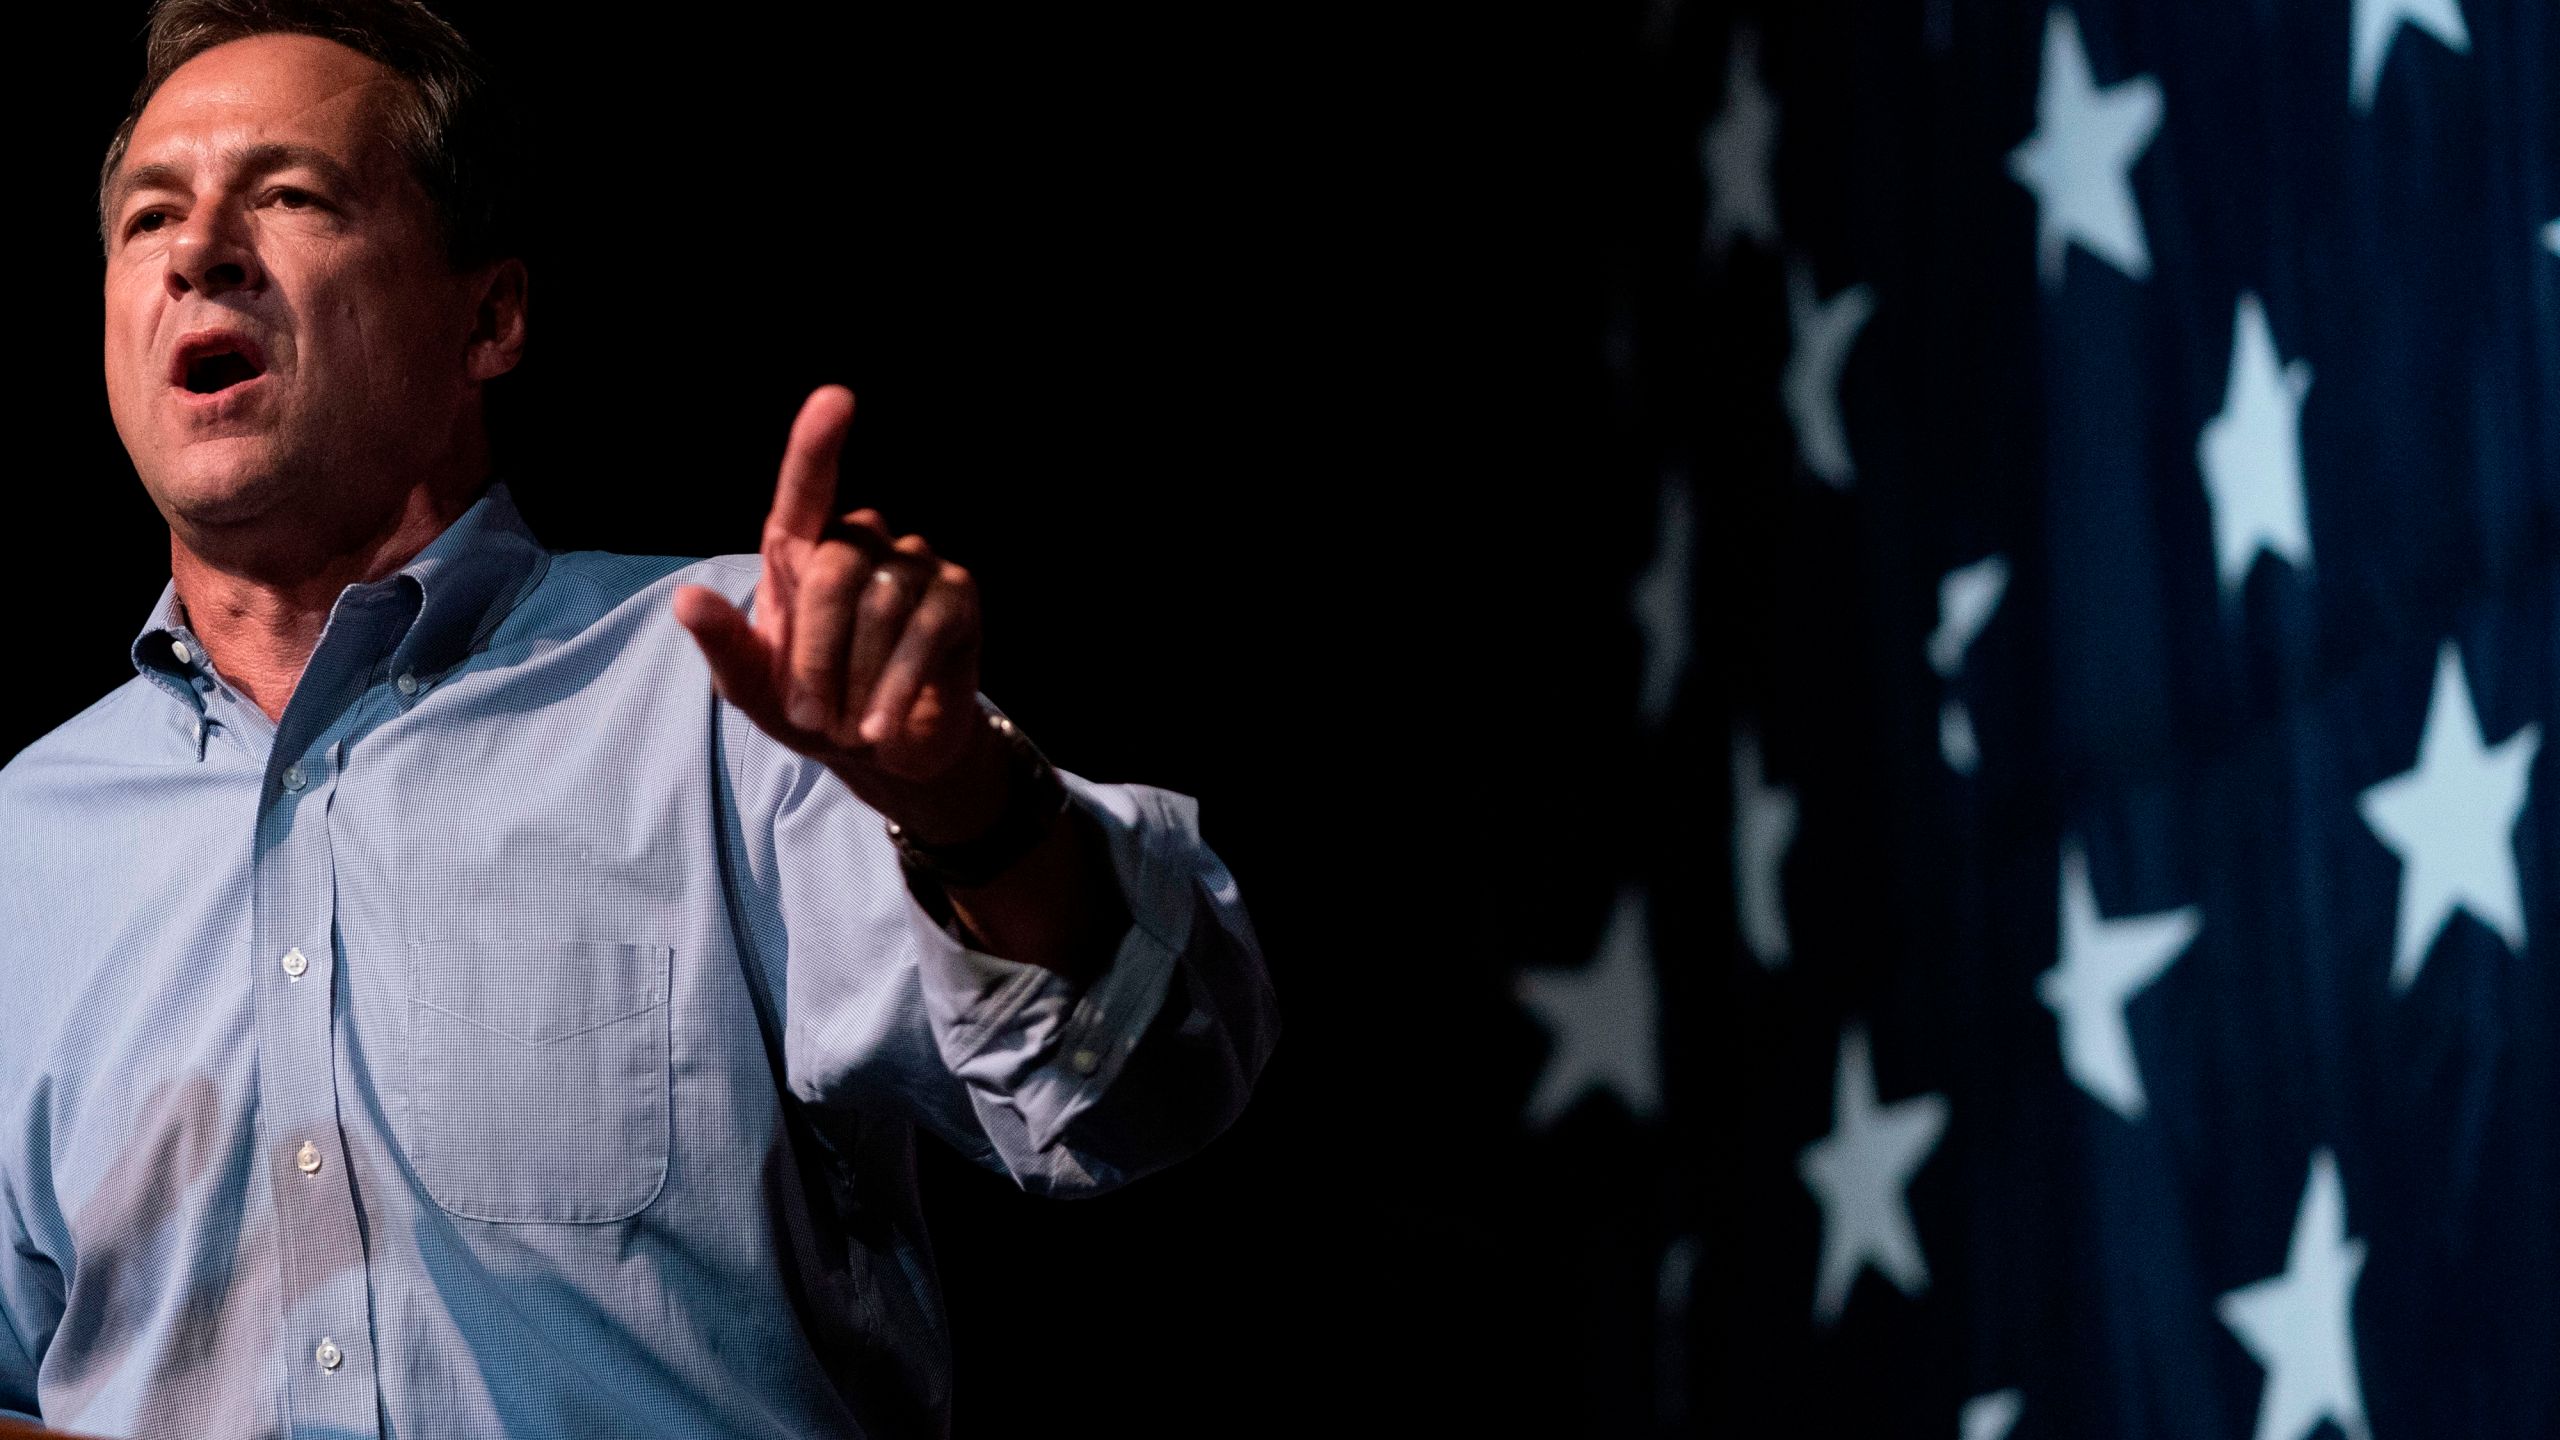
1822 331
1764 827
2252 454
2300 1325
2104 964
2452 822
1992 1416
1603 1020
1661 600
2377 24
1967 598
1738 151
1859 1173
2080 161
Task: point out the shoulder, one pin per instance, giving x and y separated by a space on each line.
102 734
600 581
592 598
65 817
595 635
589 586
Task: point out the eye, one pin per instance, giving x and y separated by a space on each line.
147 221
292 199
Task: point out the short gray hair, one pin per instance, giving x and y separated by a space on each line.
453 127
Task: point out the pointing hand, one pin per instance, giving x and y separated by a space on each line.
863 652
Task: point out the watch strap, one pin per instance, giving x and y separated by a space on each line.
1034 799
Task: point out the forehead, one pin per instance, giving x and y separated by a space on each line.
268 88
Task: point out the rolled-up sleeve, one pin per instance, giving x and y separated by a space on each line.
1069 1088
1185 996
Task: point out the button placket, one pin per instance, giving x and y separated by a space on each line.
321 1244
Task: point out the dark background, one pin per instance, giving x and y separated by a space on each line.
1238 351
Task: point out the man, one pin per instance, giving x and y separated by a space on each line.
429 1010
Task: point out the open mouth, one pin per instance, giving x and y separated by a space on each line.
216 373
210 362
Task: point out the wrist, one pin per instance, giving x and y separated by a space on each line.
1004 801
962 804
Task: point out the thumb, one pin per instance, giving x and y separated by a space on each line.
741 662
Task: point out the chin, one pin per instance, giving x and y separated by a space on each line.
218 484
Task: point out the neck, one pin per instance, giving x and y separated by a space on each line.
259 606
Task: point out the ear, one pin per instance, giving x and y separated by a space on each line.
496 342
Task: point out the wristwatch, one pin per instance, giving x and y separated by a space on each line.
1034 799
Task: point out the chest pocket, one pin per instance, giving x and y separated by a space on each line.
538 1078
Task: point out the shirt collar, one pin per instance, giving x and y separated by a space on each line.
466 581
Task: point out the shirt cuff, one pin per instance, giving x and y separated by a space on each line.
1030 1036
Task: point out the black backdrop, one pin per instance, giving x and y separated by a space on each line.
1220 341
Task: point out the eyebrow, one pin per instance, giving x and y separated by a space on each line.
254 160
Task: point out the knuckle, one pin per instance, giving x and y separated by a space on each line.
879 602
859 528
823 571
837 562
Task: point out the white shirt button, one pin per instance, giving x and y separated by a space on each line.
307 1159
407 684
294 964
328 1355
179 648
293 781
1085 1061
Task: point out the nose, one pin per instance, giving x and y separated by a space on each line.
212 254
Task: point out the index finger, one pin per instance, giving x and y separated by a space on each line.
806 492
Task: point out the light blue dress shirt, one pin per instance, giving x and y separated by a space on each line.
514 1040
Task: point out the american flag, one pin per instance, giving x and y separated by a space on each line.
2087 962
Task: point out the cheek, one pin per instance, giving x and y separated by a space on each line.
404 337
127 334
121 334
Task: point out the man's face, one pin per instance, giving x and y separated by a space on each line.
284 338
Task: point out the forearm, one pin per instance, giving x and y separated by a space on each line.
1059 907
1176 985
1084 1089
1058 904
